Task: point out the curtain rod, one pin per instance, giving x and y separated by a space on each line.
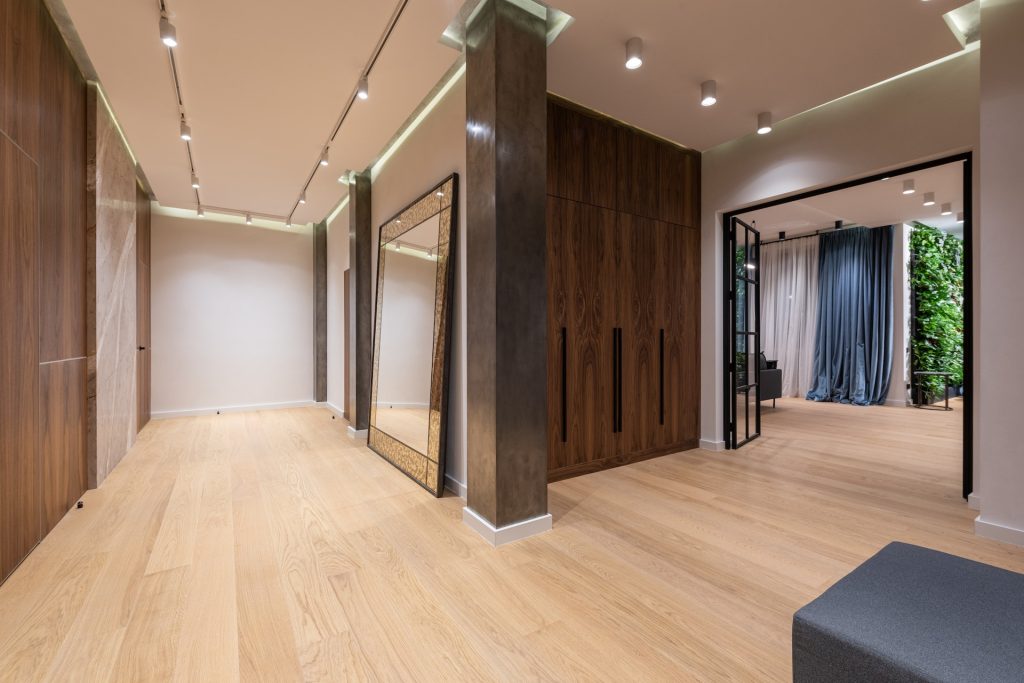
818 233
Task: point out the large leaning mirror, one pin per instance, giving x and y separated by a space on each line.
409 400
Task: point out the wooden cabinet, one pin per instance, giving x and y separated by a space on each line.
623 283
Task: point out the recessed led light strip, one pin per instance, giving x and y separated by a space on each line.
361 92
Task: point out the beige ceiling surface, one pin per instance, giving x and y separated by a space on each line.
782 56
872 205
264 82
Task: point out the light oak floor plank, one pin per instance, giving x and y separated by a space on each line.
270 546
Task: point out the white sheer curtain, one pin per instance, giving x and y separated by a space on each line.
789 309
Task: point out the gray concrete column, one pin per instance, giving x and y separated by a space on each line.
360 342
506 110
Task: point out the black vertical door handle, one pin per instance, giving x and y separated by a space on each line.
565 420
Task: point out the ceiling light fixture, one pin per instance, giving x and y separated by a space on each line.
324 160
929 199
248 219
634 53
960 217
764 123
186 130
363 91
288 224
908 186
168 34
708 93
195 181
200 213
947 209
302 197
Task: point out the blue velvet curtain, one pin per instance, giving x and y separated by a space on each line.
853 341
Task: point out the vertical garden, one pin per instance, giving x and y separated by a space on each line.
937 296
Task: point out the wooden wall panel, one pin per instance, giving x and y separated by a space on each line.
21 78
19 356
62 437
620 255
62 216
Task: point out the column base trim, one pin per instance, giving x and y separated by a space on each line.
709 445
508 533
361 434
974 501
998 532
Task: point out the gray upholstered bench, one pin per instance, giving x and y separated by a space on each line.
913 614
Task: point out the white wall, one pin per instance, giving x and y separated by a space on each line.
407 330
924 115
1001 329
337 264
435 150
233 318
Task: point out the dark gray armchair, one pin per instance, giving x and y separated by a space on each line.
771 380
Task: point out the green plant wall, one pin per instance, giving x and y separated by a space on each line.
937 287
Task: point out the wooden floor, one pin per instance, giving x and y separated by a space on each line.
268 546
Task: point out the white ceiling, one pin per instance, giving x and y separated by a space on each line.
872 205
265 80
781 56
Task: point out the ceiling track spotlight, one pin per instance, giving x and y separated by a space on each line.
960 217
908 186
708 93
363 90
302 197
634 53
168 34
764 123
947 209
248 219
929 199
186 130
195 181
200 213
325 157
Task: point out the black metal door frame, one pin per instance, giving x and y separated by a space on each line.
744 297
965 158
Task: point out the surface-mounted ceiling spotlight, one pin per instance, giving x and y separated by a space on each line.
960 217
324 158
708 93
200 213
195 181
947 209
908 186
186 131
929 199
634 53
168 34
248 219
764 123
363 91
288 223
302 197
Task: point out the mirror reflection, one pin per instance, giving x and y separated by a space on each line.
409 291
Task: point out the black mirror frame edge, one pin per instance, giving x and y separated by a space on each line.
425 470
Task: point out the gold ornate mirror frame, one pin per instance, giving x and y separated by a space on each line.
427 469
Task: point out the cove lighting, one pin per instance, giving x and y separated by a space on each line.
634 53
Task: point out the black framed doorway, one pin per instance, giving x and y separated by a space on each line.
729 401
744 296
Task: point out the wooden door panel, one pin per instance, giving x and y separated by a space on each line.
20 474
62 437
143 368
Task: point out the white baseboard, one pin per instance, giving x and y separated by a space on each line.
455 486
974 501
358 433
710 445
508 533
167 414
388 404
998 532
338 412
